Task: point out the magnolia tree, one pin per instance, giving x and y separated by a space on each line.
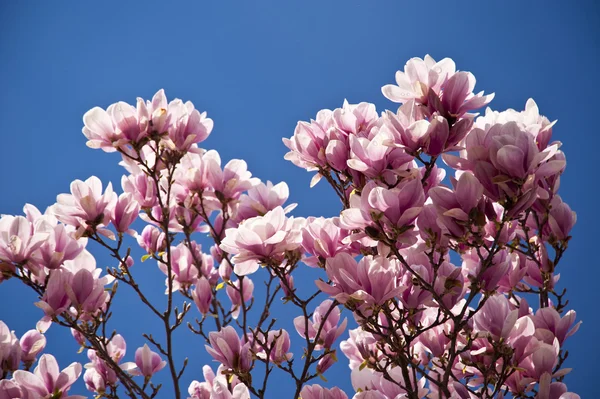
451 288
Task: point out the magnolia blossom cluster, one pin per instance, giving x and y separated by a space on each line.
434 281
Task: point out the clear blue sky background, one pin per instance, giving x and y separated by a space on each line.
258 67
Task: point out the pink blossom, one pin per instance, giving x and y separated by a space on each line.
233 292
152 239
549 319
262 239
18 239
330 330
457 208
277 342
124 213
318 392
59 247
323 238
86 207
261 199
148 362
217 385
10 349
226 348
561 218
372 280
32 343
202 295
47 381
187 125
183 270
396 209
141 188
418 77
10 390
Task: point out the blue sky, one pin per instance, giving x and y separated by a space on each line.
257 67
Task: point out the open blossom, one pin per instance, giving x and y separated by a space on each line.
262 239
537 125
277 342
183 270
318 392
454 207
418 77
261 199
59 247
234 292
507 162
17 239
396 209
329 326
148 362
124 213
323 238
219 386
10 349
152 239
32 343
86 207
226 348
549 320
372 280
47 381
122 124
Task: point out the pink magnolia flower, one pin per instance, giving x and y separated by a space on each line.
372 280
262 239
10 390
396 209
261 199
183 270
233 292
141 188
537 125
187 125
59 247
124 213
455 206
418 77
318 392
32 343
278 343
323 238
374 158
217 385
457 96
508 163
86 291
548 319
152 239
561 218
330 330
10 349
202 295
86 207
328 360
148 362
98 373
47 381
55 299
94 381
226 348
119 125
18 240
